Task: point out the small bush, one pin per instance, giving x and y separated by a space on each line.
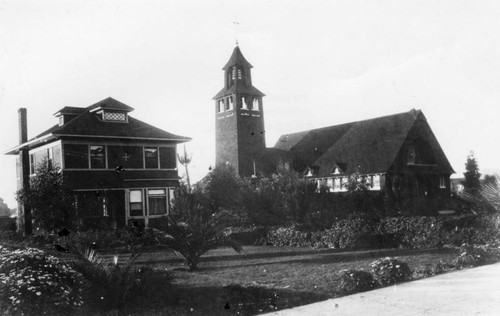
354 281
353 232
288 236
255 235
35 283
474 255
388 271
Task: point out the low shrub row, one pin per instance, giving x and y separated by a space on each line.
407 232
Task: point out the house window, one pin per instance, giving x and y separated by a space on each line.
168 159
32 164
442 182
97 157
151 157
125 156
76 156
157 202
411 155
136 203
114 116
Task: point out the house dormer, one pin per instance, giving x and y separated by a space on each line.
111 110
68 113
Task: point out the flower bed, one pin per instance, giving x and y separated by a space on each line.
33 282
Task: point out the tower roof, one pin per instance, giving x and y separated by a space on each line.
237 59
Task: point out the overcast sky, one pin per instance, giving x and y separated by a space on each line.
319 63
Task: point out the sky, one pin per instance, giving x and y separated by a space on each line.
319 63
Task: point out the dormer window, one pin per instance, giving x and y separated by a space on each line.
61 120
114 116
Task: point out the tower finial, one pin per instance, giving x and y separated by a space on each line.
236 23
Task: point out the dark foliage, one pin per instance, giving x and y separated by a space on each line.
193 228
354 281
389 271
49 199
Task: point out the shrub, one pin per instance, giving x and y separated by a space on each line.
354 281
353 232
412 232
115 287
33 282
389 270
474 255
255 235
289 236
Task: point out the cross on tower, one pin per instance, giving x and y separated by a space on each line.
236 23
126 156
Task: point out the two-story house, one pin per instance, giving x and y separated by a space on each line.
118 167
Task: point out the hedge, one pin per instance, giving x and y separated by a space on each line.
408 232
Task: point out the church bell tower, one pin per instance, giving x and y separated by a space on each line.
239 118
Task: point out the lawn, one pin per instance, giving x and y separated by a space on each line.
263 279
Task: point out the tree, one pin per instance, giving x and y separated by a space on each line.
472 185
284 197
49 199
221 187
193 229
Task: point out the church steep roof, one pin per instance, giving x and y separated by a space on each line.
368 146
240 89
237 59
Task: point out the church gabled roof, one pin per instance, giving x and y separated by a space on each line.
237 59
369 146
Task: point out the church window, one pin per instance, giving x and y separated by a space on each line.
231 103
442 182
244 103
411 155
233 74
375 182
336 184
240 74
255 104
151 157
220 106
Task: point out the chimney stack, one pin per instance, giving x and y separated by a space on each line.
24 212
23 125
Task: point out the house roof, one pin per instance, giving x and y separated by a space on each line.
369 146
237 59
91 125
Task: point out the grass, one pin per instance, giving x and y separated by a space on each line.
264 279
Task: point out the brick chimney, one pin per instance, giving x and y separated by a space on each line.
24 223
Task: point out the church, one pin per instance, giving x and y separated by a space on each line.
397 154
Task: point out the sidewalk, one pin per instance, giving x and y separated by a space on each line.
468 292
